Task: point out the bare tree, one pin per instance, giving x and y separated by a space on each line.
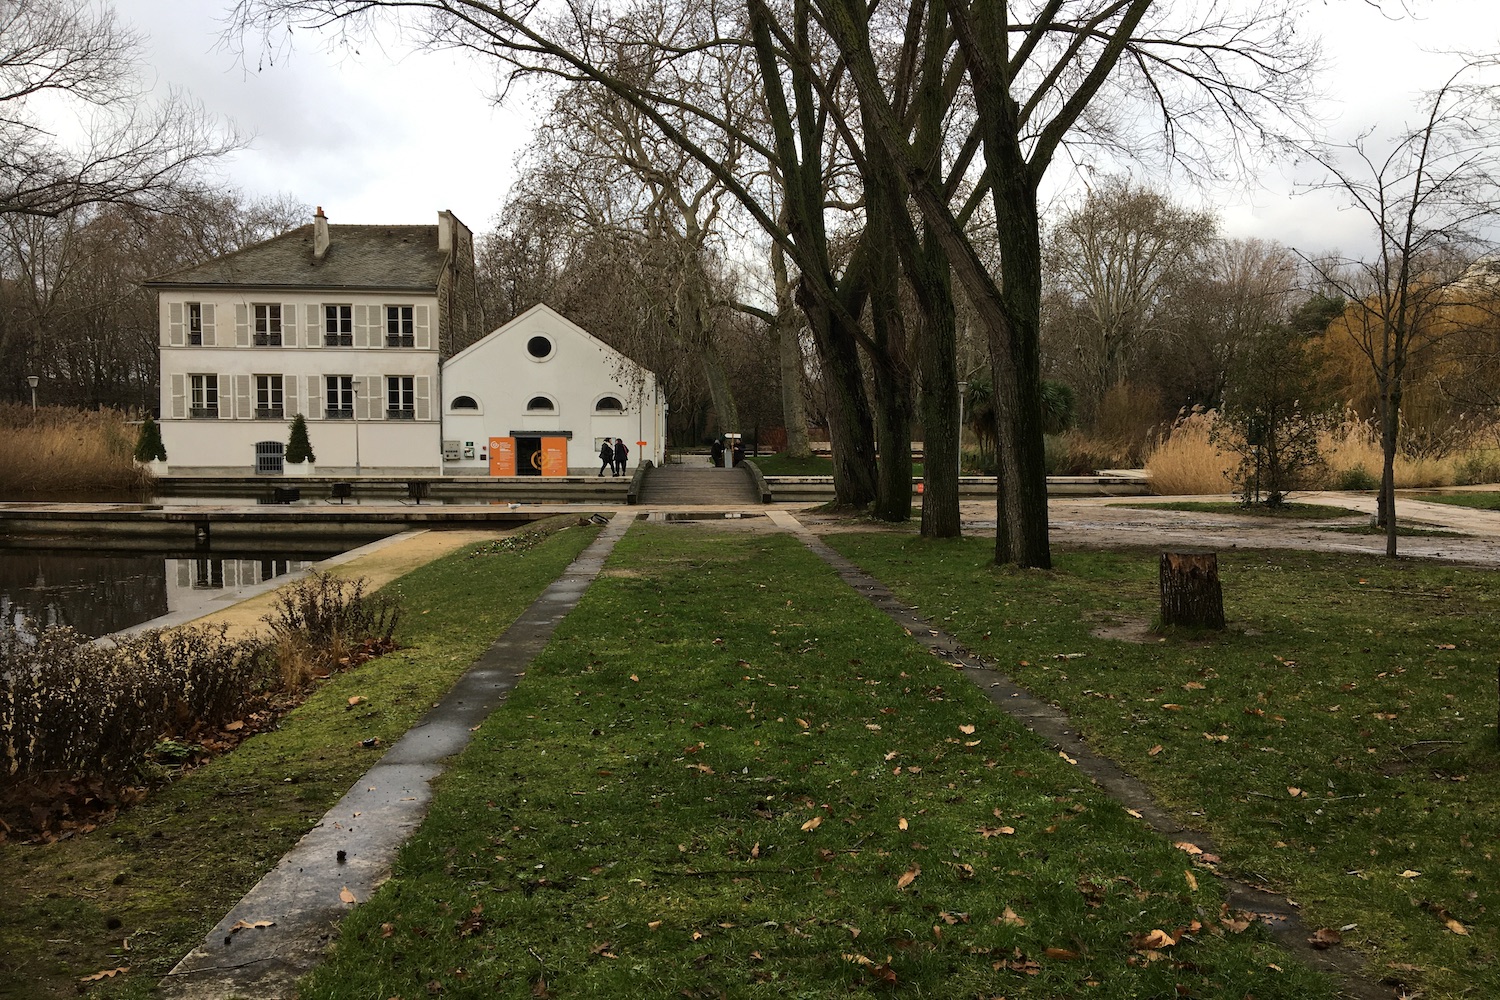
133 150
1430 197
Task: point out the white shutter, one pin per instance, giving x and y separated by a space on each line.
179 397
362 325
288 325
362 396
244 408
422 390
175 336
314 327
292 401
421 329
210 338
241 325
317 395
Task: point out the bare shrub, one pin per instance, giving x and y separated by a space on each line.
1187 462
62 450
70 708
1352 451
317 621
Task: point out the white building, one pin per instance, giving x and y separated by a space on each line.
350 327
539 395
346 325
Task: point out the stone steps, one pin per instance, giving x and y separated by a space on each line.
671 485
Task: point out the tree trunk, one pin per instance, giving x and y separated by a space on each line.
719 391
893 414
788 332
851 432
937 364
1190 591
1390 423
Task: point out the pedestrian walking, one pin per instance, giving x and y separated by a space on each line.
622 453
606 457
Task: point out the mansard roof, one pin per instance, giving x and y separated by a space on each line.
404 258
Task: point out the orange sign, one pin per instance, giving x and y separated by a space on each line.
503 456
554 456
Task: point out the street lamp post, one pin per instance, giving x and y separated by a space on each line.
32 381
962 388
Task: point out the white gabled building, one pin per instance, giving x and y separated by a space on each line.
346 325
538 395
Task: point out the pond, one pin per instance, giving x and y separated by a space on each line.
102 591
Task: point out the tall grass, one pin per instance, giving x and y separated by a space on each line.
1184 461
60 450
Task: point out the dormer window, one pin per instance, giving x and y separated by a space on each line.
540 404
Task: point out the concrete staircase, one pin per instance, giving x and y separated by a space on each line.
677 485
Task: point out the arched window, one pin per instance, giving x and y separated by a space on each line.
540 404
464 403
609 404
540 347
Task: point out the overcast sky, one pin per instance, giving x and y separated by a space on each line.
394 136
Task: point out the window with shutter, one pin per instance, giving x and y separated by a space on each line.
210 334
174 324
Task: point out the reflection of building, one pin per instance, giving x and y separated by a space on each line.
539 395
344 325
185 576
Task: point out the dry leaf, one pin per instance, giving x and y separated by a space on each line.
909 877
1134 812
1293 791
1011 918
1155 940
1410 874
1192 881
635 678
1169 707
996 831
246 925
104 974
901 823
1190 848
653 924
812 824
1063 954
1325 937
1193 686
356 700
1154 751
235 726
346 895
967 730
1456 927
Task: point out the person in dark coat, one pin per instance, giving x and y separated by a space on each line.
606 457
716 450
622 453
739 452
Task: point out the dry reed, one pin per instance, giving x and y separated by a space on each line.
1186 462
58 450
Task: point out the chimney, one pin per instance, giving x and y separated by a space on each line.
320 234
445 230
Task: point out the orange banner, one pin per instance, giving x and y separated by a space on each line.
502 456
554 456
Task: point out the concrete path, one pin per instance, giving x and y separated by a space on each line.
278 931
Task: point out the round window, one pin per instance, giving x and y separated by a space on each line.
539 347
609 404
464 403
540 403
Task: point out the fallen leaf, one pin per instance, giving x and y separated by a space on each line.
104 974
1012 919
1192 880
1325 937
1216 737
635 678
1193 686
1062 954
1190 848
346 895
907 878
901 823
235 726
386 930
1234 926
1170 707
967 730
653 924
996 831
1446 645
1154 751
356 700
812 824
1410 874
1134 812
246 925
1456 927
1154 940
1293 791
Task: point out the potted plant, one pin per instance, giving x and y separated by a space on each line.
299 459
149 449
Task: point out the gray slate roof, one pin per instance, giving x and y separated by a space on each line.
358 257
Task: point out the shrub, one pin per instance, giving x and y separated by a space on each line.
1476 468
149 446
298 447
70 708
319 620
1354 480
59 449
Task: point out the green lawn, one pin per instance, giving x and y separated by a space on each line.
1339 739
165 872
1296 511
729 776
1479 500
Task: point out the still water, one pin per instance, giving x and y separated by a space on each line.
99 592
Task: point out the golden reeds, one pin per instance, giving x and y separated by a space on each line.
59 450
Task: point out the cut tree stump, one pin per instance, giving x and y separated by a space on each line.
1190 592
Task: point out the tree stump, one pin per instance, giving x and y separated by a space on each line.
1190 592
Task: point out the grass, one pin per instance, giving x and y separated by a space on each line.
165 872
1337 739
781 464
728 775
1486 500
59 450
1292 511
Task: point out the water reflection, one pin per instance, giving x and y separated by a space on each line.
101 592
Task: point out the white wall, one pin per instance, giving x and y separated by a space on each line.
226 444
502 376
